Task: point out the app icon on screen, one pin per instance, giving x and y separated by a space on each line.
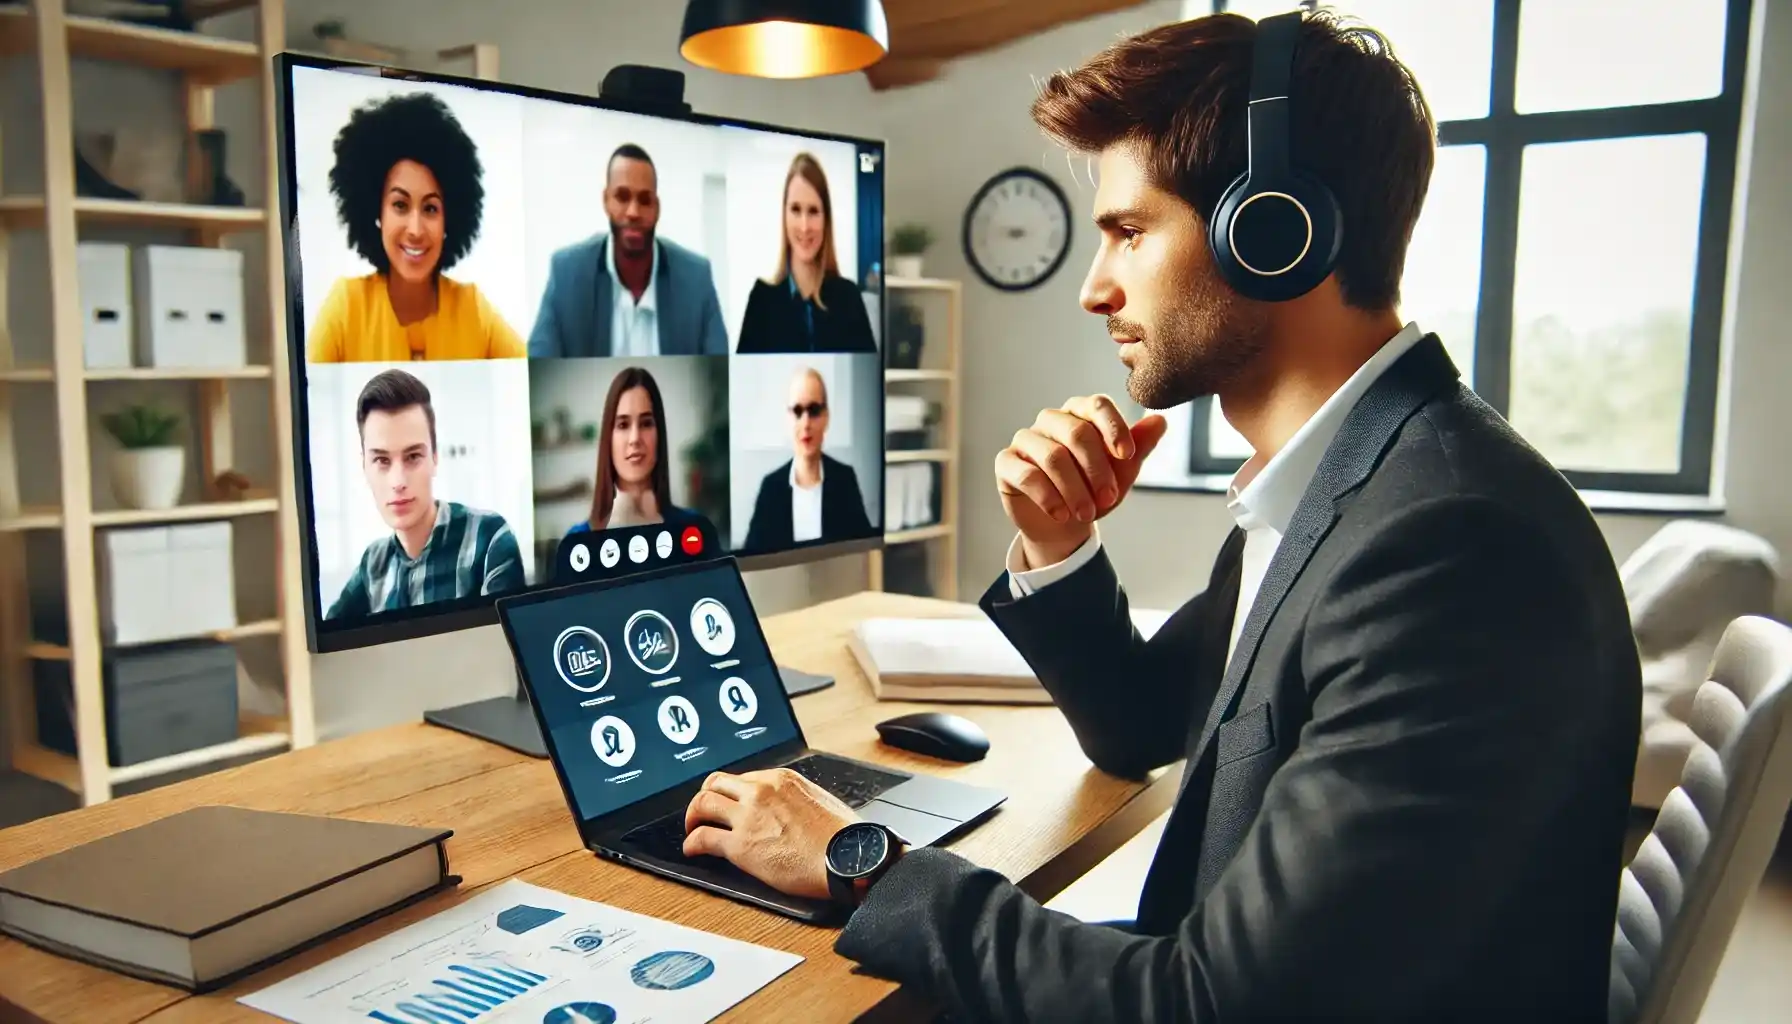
612 741
678 719
652 642
610 553
713 627
738 700
582 658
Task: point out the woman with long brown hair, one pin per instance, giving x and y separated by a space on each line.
634 475
806 305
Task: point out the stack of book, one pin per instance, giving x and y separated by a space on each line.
200 898
964 660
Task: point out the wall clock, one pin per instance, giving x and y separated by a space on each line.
1017 230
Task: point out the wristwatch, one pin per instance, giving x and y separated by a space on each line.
857 856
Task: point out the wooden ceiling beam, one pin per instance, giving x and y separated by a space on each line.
925 35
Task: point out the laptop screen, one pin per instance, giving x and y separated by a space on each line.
649 683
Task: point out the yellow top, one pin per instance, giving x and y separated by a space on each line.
357 325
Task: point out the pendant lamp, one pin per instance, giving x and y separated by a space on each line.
785 38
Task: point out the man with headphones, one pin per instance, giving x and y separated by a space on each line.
1407 700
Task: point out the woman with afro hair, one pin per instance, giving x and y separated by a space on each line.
408 192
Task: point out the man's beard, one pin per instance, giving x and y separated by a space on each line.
1200 345
646 238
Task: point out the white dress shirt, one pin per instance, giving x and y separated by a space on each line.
634 326
805 506
1262 496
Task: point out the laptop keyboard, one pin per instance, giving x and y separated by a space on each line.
855 785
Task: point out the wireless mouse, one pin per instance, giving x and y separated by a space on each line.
935 734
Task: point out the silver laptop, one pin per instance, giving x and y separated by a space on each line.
645 684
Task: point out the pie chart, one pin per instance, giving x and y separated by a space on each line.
580 1013
672 970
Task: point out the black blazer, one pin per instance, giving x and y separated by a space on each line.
842 508
774 320
1404 800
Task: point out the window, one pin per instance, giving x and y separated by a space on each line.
1572 249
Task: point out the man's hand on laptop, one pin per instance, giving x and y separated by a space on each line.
774 825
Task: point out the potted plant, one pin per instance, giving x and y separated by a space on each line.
150 463
906 246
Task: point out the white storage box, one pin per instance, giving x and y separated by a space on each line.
189 307
105 286
165 582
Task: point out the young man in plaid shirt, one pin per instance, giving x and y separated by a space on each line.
438 550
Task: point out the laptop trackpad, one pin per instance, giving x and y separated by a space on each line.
944 797
918 827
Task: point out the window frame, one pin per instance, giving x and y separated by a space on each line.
1504 133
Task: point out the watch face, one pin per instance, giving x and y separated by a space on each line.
858 849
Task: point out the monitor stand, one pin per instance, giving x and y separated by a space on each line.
510 721
797 682
506 721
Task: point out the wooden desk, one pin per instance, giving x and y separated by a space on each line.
510 820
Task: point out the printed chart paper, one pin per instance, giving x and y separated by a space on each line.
523 953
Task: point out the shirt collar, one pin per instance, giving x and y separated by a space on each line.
821 474
1267 493
444 516
649 298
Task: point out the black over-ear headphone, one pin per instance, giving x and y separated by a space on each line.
1276 232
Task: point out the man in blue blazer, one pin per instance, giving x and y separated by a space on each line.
628 292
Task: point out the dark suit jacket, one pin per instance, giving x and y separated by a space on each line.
774 320
576 307
842 508
1404 800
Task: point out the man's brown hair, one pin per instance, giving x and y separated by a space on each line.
1181 92
394 391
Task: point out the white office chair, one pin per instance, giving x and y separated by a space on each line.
1684 890
1685 585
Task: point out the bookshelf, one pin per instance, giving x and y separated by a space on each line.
941 305
44 31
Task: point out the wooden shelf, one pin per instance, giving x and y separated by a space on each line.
182 373
928 284
50 518
19 212
41 651
898 376
259 735
895 455
46 375
32 517
185 513
48 765
919 533
208 60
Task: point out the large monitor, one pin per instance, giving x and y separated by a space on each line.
519 320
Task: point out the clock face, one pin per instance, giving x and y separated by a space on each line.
1017 230
855 851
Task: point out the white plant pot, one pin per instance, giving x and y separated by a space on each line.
905 266
148 477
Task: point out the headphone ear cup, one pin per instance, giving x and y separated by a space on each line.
1275 241
1219 237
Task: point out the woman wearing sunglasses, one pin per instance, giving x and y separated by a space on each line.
812 497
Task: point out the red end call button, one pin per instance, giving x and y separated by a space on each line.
692 541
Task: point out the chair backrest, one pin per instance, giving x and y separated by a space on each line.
1684 890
